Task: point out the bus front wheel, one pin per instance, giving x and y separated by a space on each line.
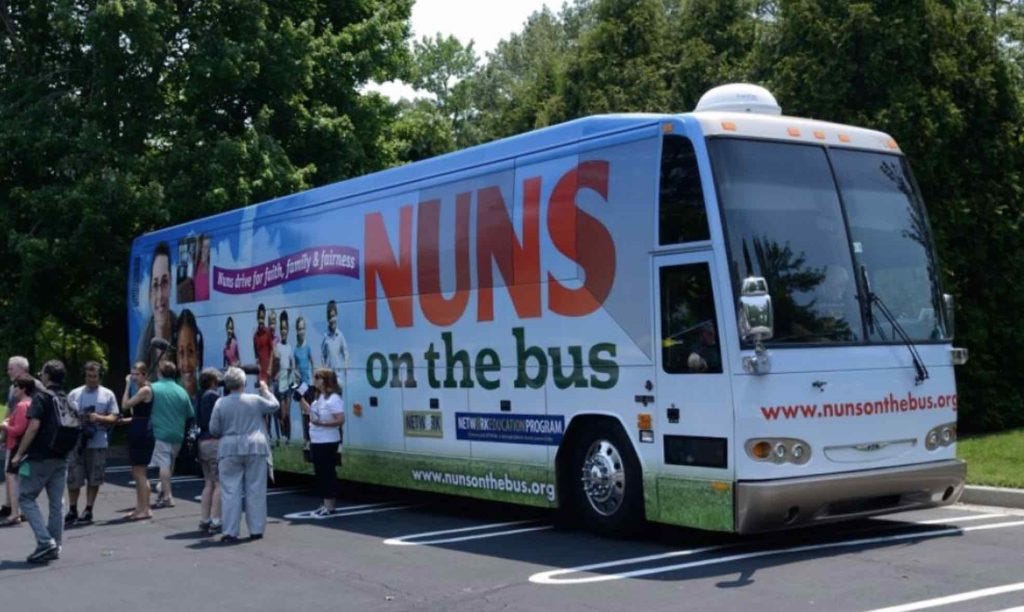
605 480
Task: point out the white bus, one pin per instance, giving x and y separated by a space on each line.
728 319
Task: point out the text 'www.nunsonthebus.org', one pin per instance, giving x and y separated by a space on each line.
488 482
891 404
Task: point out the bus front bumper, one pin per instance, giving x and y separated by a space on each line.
768 505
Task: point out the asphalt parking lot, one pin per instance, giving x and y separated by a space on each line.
390 549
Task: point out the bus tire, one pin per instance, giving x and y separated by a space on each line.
604 480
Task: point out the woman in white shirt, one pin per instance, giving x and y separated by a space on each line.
326 415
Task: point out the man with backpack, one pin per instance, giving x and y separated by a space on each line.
42 460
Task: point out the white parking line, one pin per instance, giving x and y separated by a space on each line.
174 479
270 492
346 511
970 517
553 576
286 490
950 599
404 540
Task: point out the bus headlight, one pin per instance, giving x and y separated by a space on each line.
778 450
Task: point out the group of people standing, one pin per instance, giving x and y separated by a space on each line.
234 447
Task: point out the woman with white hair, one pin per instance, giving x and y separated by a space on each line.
243 454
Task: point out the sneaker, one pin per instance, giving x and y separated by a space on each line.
204 525
256 536
214 529
44 552
229 539
53 556
70 517
85 519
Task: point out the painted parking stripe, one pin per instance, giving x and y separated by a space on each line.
174 479
347 511
961 519
960 597
404 540
555 576
270 492
286 490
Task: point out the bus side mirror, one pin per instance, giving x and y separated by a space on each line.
947 311
757 322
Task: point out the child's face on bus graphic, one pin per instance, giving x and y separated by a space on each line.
188 357
300 330
332 317
261 317
272 322
229 328
284 327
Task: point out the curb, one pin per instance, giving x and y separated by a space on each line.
993 496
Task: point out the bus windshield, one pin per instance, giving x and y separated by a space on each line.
807 219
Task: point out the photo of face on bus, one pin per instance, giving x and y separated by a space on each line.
161 318
188 346
192 273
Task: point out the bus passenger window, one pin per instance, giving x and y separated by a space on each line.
681 214
689 338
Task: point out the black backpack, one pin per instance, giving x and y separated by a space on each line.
67 426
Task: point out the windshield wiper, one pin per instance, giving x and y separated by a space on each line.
865 300
871 299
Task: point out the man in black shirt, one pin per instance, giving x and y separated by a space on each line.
40 468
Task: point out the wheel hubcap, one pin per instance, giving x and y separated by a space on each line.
604 477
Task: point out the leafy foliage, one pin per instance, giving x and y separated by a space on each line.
120 116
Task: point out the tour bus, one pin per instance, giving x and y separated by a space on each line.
728 319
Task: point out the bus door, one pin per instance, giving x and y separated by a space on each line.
692 394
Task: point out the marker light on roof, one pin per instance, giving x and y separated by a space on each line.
741 98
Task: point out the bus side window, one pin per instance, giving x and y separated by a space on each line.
689 338
681 213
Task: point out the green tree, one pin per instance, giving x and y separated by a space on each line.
419 131
120 116
620 64
441 66
521 86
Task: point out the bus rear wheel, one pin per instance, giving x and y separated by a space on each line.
605 480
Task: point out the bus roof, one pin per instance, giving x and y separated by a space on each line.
797 129
712 123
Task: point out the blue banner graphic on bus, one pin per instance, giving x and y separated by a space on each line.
308 262
515 428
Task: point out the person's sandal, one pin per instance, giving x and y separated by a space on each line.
11 521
